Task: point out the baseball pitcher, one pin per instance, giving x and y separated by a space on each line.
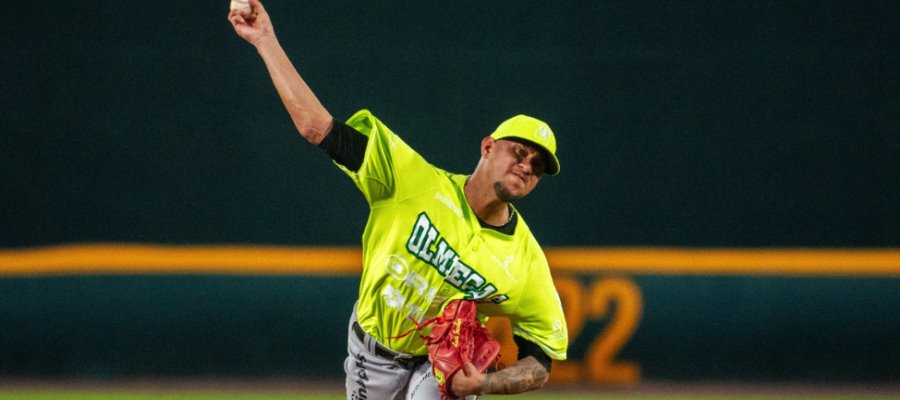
442 252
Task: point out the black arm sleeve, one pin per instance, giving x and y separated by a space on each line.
345 145
528 348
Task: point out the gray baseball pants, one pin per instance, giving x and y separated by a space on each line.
374 372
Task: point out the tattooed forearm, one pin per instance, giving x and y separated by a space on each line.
527 374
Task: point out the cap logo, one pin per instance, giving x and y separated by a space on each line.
542 133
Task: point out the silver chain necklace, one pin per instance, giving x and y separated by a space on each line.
512 213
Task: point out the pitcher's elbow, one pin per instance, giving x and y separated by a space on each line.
313 126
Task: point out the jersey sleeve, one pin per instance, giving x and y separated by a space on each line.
386 155
539 316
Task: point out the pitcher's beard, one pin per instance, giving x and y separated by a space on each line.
503 193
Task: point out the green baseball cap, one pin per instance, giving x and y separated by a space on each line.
534 131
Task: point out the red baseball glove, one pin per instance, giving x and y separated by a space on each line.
457 338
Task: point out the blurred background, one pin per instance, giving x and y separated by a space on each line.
698 126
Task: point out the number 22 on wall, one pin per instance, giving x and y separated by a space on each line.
581 304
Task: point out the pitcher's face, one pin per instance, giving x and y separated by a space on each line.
515 167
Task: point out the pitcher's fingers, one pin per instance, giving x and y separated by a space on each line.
256 6
236 18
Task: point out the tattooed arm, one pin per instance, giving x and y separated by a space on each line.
527 374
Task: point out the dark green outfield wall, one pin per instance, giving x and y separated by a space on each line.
768 329
98 327
695 124
701 123
694 328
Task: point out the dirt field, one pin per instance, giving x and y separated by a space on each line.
316 390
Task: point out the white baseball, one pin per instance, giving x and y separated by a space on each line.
243 5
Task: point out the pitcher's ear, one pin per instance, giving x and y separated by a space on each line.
487 145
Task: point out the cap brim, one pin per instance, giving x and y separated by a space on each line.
552 163
550 160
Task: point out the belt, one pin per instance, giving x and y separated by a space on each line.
406 360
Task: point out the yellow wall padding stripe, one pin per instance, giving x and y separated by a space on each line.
154 259
738 261
114 258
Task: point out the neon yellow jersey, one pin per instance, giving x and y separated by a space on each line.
423 245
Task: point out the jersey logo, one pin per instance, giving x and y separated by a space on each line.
426 243
504 265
